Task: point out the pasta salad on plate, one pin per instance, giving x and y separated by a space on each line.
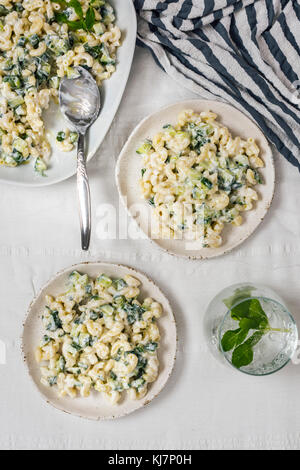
197 177
99 335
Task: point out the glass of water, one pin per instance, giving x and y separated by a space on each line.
249 328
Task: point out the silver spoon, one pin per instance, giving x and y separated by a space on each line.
80 102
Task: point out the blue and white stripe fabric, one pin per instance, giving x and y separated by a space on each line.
244 52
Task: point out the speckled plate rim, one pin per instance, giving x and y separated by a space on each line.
168 356
124 179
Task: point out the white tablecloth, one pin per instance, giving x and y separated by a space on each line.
205 405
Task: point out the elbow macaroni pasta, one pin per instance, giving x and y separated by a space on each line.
42 41
99 336
197 178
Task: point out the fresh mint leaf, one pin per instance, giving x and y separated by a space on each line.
239 295
86 23
250 309
233 338
243 355
90 18
72 25
241 310
249 324
250 316
256 312
254 339
77 7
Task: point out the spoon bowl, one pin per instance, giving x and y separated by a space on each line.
80 102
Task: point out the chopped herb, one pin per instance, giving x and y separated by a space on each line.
34 40
113 376
52 381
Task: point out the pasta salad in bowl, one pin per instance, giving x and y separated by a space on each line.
104 344
42 41
206 178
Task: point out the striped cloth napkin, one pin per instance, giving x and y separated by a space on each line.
246 53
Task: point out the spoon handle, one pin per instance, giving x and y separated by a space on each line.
84 196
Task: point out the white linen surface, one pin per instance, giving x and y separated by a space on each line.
205 404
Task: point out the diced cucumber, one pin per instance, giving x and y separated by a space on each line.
199 193
145 148
73 137
107 13
15 102
105 58
77 278
34 40
57 45
22 41
40 166
94 316
194 175
99 29
84 340
206 182
119 284
72 73
54 321
119 301
107 309
21 146
14 81
18 157
20 111
137 383
225 179
61 136
73 349
104 281
97 3
60 364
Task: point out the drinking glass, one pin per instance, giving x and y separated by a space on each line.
275 345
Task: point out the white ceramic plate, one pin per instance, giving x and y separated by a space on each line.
96 407
63 165
129 166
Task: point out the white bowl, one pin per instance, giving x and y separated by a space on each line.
129 166
63 165
96 407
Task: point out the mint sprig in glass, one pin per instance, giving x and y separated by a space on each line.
251 328
253 325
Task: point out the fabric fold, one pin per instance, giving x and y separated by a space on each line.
245 53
